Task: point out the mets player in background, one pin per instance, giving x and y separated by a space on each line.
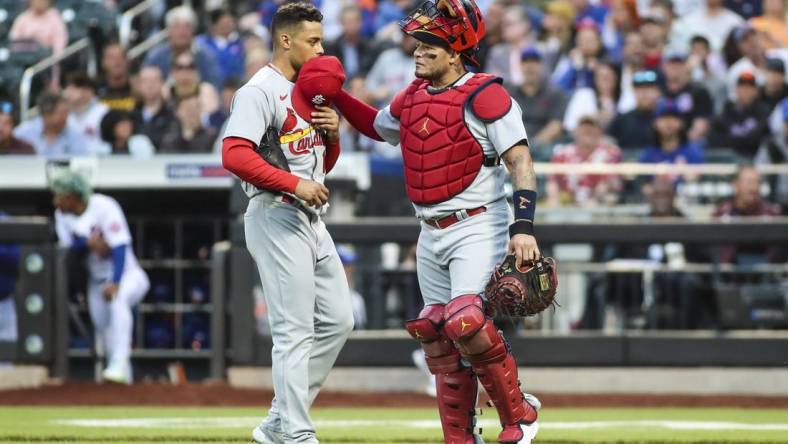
303 281
94 224
454 127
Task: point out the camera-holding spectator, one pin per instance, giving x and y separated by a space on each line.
774 88
576 69
601 99
543 105
181 22
632 130
503 59
772 24
393 71
85 110
356 53
119 136
713 21
42 22
152 115
225 44
188 136
50 134
672 144
115 88
185 81
743 124
585 189
9 144
693 101
633 61
746 201
708 69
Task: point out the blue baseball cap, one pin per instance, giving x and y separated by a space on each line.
675 55
667 107
645 78
530 53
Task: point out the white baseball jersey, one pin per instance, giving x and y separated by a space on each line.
103 215
495 139
264 101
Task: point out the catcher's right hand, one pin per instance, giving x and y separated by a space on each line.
522 291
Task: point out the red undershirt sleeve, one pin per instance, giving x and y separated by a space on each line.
359 114
239 157
332 154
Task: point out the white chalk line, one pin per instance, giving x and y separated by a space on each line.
251 421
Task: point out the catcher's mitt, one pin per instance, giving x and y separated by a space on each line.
525 292
271 151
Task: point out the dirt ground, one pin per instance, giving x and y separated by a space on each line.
220 394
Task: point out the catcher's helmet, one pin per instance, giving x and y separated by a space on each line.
454 24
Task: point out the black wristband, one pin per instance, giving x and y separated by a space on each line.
521 226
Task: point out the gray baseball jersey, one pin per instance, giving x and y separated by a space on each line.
264 101
304 284
495 138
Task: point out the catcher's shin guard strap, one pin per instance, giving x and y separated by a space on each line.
441 355
464 317
456 393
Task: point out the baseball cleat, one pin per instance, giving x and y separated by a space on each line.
262 435
522 433
117 373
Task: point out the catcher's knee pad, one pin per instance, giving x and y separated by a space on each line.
475 334
441 355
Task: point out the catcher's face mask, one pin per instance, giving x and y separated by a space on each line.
453 24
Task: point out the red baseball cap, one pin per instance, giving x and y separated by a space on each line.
318 83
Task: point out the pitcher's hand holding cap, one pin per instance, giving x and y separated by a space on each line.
318 83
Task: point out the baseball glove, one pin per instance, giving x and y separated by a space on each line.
521 293
271 151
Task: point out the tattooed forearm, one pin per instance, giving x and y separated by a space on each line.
521 168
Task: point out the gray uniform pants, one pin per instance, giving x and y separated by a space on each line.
309 308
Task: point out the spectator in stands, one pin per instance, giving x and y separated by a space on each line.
633 61
576 69
585 189
181 22
746 201
654 32
774 88
185 81
189 135
556 36
503 59
119 136
543 104
42 22
772 24
708 69
620 21
115 88
152 115
693 100
9 144
589 10
745 8
256 59
776 151
393 70
743 124
9 274
50 134
601 99
672 144
632 130
218 117
713 21
225 44
493 35
356 53
85 110
753 58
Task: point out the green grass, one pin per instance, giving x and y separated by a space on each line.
349 425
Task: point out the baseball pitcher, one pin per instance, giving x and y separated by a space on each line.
454 128
281 146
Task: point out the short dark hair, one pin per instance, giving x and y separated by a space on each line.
291 14
217 14
80 80
48 102
111 120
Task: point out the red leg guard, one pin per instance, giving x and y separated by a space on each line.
484 348
456 384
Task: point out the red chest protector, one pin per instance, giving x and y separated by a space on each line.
440 155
